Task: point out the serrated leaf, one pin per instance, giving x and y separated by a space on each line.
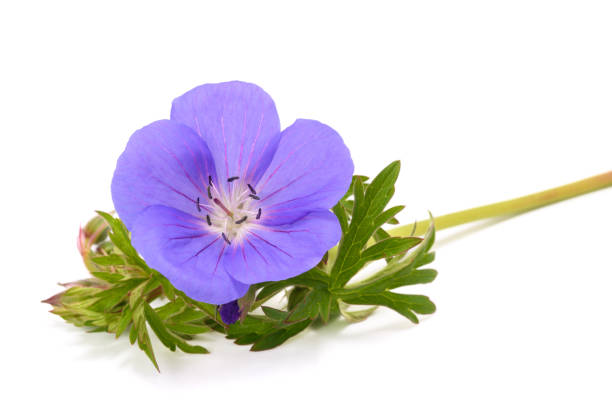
273 313
389 247
189 348
120 236
124 321
355 316
140 293
167 287
109 298
109 260
141 334
188 315
110 277
406 305
171 309
252 324
159 328
296 295
369 206
186 328
278 337
317 302
342 216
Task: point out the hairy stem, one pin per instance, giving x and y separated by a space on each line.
510 207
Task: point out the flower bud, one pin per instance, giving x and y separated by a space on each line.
96 230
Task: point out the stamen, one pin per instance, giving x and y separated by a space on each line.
243 219
198 205
225 238
220 204
252 189
229 180
210 180
258 214
253 196
209 193
208 219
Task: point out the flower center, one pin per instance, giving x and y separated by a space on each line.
232 211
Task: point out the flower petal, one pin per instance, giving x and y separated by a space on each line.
283 251
239 123
312 169
180 247
164 163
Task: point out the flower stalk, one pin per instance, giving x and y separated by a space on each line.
509 207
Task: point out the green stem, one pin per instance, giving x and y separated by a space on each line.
510 207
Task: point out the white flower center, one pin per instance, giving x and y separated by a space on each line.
232 211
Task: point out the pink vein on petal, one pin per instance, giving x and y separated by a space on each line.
197 164
243 254
256 250
219 258
271 244
286 231
253 145
242 144
203 249
263 151
183 168
188 236
225 147
173 189
182 226
282 188
286 160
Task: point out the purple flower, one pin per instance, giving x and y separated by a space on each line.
218 198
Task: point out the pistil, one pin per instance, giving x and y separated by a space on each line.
224 208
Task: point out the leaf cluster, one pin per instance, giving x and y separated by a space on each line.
118 296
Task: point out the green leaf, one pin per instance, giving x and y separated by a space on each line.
109 260
126 319
109 298
120 236
159 328
189 315
367 217
355 316
109 277
389 247
186 328
141 334
189 348
342 216
406 305
171 309
274 314
167 287
278 337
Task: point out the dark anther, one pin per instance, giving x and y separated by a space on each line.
225 238
208 219
209 193
243 219
258 214
252 189
210 180
229 180
253 196
198 205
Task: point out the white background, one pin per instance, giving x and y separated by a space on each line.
481 100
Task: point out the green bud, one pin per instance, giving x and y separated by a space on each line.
96 230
